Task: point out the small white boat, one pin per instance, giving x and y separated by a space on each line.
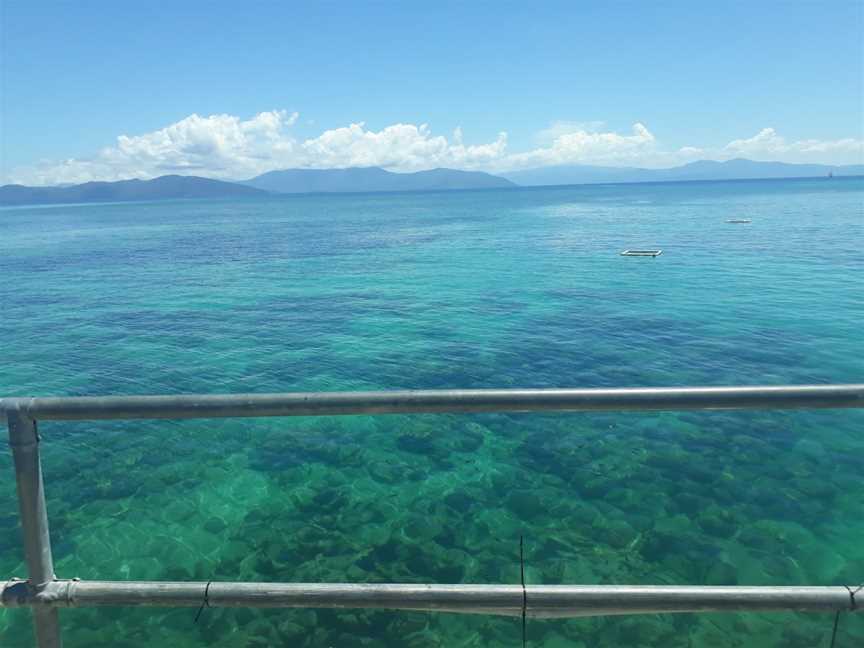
648 253
738 220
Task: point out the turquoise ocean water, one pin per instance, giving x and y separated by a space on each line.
510 288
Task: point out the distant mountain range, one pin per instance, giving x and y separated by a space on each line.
288 181
368 179
163 188
738 169
372 179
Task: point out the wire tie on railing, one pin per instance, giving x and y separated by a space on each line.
852 594
524 593
205 602
853 605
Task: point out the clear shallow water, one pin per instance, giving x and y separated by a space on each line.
466 289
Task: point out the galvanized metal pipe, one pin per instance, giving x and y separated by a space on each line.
24 441
46 622
439 401
45 595
542 600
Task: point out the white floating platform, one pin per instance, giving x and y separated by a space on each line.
738 220
648 253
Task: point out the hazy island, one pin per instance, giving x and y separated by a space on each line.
162 188
737 169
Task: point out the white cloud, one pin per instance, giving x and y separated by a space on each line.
226 146
401 147
216 146
768 145
558 128
580 146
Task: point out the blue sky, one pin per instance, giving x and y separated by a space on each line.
231 89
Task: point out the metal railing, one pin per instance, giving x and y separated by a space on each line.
44 593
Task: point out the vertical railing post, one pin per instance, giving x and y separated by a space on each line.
24 441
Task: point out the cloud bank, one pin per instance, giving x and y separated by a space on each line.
580 146
768 144
228 147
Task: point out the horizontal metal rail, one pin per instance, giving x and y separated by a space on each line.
540 600
45 594
437 401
